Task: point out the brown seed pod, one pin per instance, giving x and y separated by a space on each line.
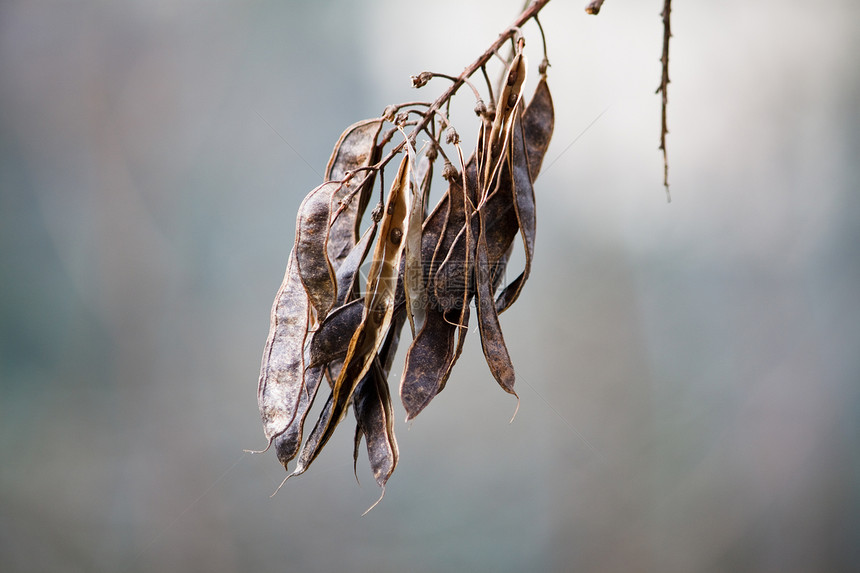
378 313
356 149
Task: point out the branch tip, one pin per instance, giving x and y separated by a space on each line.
594 7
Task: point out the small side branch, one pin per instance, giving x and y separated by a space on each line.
594 7
663 89
445 99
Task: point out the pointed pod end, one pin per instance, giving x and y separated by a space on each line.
517 409
506 380
410 414
280 486
415 395
356 446
415 407
375 503
264 450
285 449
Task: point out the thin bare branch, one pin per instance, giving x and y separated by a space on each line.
454 79
545 63
489 86
506 35
663 89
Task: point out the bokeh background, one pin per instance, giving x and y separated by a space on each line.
689 372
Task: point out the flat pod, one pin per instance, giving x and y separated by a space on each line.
434 352
538 122
528 148
347 273
413 271
392 341
375 422
331 341
355 149
492 340
369 402
287 443
499 212
501 224
378 313
281 372
462 330
509 97
446 268
524 207
509 100
428 362
315 269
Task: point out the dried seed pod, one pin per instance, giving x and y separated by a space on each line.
392 340
447 267
331 339
312 260
428 362
511 93
329 342
528 147
433 353
287 443
509 99
355 149
375 421
378 313
524 208
492 340
413 271
498 209
453 272
373 411
347 274
538 121
281 372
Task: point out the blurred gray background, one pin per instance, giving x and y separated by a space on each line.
689 372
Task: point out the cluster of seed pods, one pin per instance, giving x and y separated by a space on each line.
334 329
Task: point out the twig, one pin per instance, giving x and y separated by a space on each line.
411 104
594 7
663 88
489 86
452 78
510 32
545 63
